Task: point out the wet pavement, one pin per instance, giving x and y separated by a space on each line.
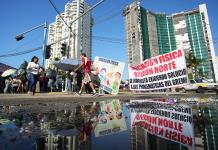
164 123
11 99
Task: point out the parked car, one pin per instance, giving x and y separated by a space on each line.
199 85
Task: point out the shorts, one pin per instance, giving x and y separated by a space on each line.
86 78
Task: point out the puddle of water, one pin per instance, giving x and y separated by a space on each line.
150 124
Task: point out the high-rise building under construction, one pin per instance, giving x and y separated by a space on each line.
150 34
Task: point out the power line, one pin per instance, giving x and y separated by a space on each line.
97 38
107 18
110 16
56 9
105 39
21 53
24 44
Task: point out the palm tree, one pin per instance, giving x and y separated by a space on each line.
22 71
22 75
196 63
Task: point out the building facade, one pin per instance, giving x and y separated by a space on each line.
150 34
81 35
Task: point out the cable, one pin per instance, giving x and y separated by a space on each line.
55 8
21 53
107 15
104 39
107 18
97 38
117 42
24 44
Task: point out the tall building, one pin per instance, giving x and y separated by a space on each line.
150 34
81 32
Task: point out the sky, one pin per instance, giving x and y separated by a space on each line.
20 15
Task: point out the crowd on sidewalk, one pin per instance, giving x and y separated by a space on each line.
31 78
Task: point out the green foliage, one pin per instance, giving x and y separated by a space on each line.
22 71
23 65
190 76
196 63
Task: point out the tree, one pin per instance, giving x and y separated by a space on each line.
22 71
196 63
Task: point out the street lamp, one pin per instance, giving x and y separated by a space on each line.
19 37
45 26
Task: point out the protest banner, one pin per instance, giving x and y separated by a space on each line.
110 74
111 119
171 122
159 72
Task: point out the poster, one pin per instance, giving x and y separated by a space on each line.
111 119
159 72
171 122
110 74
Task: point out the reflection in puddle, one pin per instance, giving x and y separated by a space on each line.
150 124
164 121
111 119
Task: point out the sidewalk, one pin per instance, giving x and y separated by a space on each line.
64 97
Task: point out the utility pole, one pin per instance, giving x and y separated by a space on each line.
44 43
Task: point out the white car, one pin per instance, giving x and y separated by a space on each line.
200 86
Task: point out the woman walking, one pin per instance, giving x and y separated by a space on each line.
86 64
34 69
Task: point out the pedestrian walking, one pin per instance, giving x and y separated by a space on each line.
51 75
58 82
33 70
16 84
42 80
8 85
69 78
86 65
74 84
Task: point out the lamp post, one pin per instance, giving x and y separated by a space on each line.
45 26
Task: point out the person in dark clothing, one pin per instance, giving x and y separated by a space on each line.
79 80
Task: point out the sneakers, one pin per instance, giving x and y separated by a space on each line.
78 94
30 93
95 94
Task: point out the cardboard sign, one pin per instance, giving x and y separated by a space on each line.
110 74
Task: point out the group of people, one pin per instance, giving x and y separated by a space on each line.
51 81
12 85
